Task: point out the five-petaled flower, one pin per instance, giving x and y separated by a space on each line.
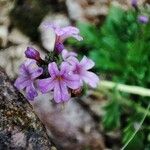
28 72
60 81
62 34
81 68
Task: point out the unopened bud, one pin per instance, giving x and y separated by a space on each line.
59 47
32 53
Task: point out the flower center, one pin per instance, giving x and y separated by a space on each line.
78 69
58 78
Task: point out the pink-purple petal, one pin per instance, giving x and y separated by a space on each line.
91 79
72 81
78 37
73 61
71 29
31 92
65 68
53 69
87 63
36 73
22 70
32 66
57 93
66 54
61 92
29 62
67 32
46 85
21 83
65 96
59 32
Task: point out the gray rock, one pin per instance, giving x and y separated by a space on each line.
69 125
5 7
17 37
94 11
87 10
20 129
13 56
3 35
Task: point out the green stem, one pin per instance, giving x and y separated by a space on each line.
129 103
138 108
133 135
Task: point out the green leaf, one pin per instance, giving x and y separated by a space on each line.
111 119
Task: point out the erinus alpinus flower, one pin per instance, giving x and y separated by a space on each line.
28 73
62 34
60 81
60 72
143 19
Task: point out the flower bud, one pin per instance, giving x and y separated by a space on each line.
143 19
59 47
32 53
134 3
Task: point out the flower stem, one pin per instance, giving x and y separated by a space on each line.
133 135
125 88
124 101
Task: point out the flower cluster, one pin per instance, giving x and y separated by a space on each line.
60 72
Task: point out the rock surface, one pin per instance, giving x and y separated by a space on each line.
94 11
20 129
87 10
69 125
13 56
5 7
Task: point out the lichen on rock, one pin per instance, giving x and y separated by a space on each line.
19 126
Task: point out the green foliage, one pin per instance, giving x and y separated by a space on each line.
137 141
121 50
120 47
111 119
130 129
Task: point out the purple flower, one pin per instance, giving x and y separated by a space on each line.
68 56
143 19
60 82
28 72
32 53
59 47
62 34
134 3
81 68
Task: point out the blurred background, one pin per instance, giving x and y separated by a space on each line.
116 36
